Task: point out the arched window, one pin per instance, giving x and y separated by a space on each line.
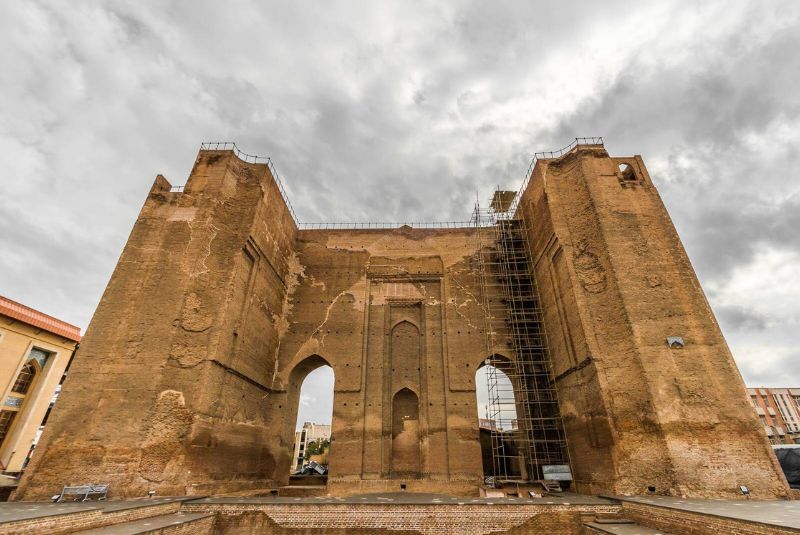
24 379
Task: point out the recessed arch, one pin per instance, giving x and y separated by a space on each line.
406 457
404 320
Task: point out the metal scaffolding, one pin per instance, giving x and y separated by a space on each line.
524 419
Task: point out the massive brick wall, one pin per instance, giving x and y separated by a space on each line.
615 282
397 315
188 378
167 390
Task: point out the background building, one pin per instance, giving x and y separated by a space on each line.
35 350
779 412
310 432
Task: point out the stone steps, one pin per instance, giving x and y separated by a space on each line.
176 523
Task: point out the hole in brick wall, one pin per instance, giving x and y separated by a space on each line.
627 172
651 489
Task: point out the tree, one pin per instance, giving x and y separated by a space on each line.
316 447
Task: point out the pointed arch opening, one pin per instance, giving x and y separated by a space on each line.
311 393
25 377
24 384
406 455
497 417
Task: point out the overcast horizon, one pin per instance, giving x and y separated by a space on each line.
404 112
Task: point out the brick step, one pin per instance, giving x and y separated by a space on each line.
306 481
195 523
620 527
612 520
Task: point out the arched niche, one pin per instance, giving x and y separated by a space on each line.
406 456
405 351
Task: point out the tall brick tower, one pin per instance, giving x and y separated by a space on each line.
188 378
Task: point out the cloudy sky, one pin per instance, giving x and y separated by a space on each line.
375 111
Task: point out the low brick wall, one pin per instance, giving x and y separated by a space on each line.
429 519
202 526
691 523
450 487
71 522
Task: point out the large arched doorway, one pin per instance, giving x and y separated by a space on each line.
309 425
497 419
405 435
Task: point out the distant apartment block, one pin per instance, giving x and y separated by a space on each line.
310 432
779 412
35 350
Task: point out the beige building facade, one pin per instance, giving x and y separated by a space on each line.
35 350
310 432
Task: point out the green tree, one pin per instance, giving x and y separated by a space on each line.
312 448
316 447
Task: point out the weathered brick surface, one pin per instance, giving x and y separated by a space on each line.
615 282
168 389
188 378
203 526
392 518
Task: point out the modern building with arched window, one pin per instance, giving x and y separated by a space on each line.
35 350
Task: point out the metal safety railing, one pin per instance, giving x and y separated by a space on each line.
251 158
542 155
385 225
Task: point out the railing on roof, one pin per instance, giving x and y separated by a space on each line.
251 158
509 214
386 225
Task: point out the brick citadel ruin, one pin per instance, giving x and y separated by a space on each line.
577 287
